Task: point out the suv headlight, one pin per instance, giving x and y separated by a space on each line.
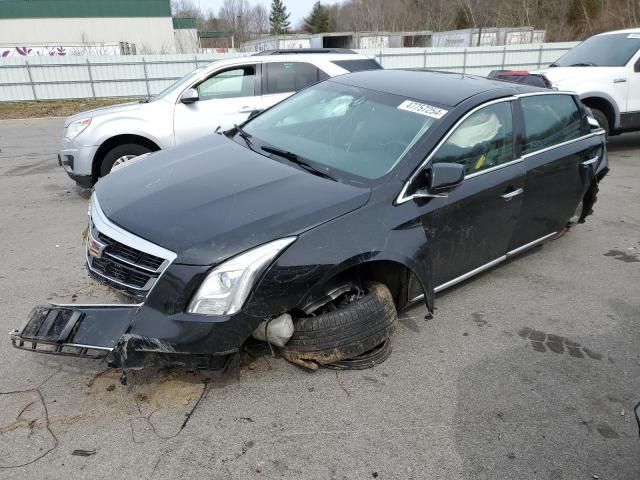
76 128
228 285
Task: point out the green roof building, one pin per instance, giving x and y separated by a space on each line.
145 25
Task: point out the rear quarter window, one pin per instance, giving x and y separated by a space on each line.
358 65
550 120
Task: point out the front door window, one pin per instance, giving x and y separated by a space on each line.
484 140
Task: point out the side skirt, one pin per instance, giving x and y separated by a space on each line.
486 266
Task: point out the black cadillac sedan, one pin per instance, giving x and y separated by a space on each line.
408 181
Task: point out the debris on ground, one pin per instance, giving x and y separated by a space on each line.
83 453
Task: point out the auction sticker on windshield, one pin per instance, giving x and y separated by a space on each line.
422 109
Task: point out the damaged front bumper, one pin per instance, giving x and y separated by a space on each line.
90 331
134 336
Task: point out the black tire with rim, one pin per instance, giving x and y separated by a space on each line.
344 333
602 120
118 152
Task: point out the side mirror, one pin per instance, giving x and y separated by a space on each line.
440 179
190 95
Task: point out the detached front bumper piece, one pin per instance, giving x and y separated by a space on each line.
90 331
132 336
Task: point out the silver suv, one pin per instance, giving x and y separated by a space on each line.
217 96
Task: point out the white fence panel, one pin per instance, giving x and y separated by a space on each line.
45 78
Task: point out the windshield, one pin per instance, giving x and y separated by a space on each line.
177 83
613 50
340 128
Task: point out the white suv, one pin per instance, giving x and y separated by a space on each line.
217 96
604 71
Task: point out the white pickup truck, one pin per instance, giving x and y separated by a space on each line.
604 71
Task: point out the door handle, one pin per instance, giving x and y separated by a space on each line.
591 161
508 196
619 80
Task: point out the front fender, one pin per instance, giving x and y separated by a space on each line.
154 123
323 253
609 99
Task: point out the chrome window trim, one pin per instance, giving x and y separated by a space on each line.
493 169
402 196
563 144
550 92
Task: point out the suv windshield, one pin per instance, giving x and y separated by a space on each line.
613 50
339 128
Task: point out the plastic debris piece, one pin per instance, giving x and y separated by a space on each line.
276 331
83 453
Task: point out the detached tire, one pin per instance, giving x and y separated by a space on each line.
121 152
344 333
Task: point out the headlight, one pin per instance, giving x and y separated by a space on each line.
228 285
76 128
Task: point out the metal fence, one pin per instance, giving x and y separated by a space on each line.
52 78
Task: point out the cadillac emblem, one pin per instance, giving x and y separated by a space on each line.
95 248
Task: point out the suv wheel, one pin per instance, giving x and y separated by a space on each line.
121 154
602 120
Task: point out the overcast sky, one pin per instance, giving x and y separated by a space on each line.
298 8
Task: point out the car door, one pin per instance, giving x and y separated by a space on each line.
632 119
558 151
471 227
282 79
226 97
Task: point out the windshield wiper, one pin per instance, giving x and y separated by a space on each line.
292 157
583 64
245 136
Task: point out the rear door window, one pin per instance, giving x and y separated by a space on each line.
550 120
483 140
285 77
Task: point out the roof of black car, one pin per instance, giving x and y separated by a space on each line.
445 88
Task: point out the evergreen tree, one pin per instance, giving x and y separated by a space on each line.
279 17
318 19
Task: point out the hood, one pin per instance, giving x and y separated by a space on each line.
103 111
211 199
575 78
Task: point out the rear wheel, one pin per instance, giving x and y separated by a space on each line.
353 324
121 154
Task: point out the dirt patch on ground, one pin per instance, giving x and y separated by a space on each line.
55 108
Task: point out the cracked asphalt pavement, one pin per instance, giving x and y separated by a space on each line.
528 371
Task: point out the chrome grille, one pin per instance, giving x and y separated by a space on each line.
117 249
124 261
